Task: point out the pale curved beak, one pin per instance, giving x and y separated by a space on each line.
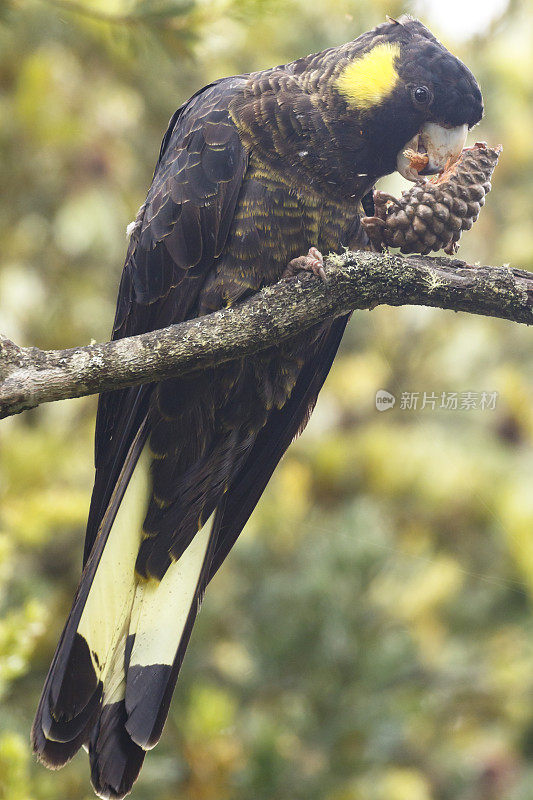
441 145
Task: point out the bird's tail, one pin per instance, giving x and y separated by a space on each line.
115 667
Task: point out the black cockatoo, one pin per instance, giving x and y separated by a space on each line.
254 171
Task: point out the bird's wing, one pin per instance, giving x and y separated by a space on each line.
180 230
282 427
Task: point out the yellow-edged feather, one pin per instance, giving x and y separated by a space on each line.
368 80
120 603
106 614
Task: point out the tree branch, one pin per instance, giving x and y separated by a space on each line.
362 280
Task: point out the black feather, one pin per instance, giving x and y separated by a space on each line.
144 301
115 760
272 441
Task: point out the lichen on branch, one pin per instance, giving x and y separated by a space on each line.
358 280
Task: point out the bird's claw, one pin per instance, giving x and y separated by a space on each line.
312 262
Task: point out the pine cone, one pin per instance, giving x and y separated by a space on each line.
433 213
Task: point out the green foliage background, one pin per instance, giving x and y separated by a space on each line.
370 637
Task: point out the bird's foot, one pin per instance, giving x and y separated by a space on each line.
312 262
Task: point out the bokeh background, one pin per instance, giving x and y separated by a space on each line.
370 637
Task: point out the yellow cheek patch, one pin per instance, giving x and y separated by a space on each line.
369 79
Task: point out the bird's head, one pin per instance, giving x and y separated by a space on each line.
393 88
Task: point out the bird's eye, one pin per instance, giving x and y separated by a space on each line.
421 95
